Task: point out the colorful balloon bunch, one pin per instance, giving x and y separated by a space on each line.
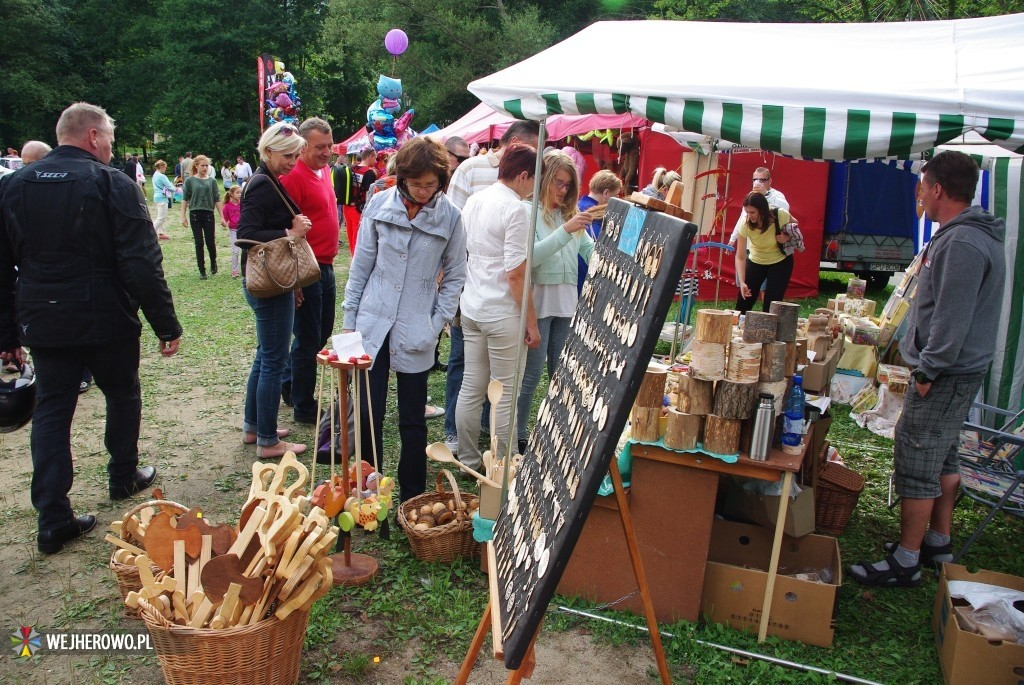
282 102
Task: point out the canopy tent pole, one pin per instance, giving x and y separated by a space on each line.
517 378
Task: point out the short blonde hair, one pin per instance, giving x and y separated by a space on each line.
605 180
277 139
160 164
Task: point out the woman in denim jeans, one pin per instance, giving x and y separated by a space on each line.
267 214
559 238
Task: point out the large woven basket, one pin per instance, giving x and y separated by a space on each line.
442 543
835 497
264 653
127 575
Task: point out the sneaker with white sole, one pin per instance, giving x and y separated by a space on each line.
452 443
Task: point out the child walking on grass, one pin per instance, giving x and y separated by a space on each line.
230 213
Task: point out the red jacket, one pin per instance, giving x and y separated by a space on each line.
315 198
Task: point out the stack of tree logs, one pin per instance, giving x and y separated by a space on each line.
648 404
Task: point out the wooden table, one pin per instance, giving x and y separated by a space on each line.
672 499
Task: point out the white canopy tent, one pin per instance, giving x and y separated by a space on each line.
819 91
822 91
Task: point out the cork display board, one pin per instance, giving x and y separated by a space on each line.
633 274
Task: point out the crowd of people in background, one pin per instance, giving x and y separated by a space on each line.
439 241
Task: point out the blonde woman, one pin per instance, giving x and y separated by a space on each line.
661 182
267 215
200 199
559 240
163 191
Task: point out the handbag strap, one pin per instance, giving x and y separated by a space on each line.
273 182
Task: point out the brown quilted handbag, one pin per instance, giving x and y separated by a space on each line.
279 266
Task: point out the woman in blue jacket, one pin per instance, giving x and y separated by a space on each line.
559 238
407 236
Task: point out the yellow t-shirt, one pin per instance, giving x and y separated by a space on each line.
764 248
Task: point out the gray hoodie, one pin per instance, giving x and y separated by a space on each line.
955 316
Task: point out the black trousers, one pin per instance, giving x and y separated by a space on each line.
202 227
115 370
777 276
412 425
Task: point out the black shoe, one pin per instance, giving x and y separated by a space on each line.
305 418
213 268
202 275
142 479
522 444
84 386
286 393
52 541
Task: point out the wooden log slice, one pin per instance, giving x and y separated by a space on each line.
735 400
713 326
722 436
695 395
773 362
759 327
652 389
707 360
788 314
644 425
683 431
791 358
777 389
744 361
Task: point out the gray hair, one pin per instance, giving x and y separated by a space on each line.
276 139
34 150
76 120
314 124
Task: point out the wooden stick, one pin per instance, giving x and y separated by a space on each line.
124 544
179 567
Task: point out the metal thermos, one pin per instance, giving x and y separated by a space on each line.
764 422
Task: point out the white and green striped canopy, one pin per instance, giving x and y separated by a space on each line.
814 91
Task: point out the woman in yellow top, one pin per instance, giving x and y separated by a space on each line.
767 259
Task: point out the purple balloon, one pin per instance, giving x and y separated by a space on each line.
396 41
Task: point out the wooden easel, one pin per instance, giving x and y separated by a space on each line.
349 568
490 619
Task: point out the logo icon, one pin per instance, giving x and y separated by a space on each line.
26 642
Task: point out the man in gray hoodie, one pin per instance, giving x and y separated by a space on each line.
949 344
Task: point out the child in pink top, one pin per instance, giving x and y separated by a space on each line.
230 213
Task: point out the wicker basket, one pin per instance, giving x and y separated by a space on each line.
442 543
127 575
835 497
264 653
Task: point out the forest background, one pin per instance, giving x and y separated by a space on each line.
180 75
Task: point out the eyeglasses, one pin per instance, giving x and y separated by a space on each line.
287 130
761 180
428 188
561 185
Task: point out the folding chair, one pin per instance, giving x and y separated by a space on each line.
992 470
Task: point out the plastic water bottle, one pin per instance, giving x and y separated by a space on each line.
793 413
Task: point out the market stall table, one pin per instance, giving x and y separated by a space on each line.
672 499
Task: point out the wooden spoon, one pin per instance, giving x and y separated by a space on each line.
439 452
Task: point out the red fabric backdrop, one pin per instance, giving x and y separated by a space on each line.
803 183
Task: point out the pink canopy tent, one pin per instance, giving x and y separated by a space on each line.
482 124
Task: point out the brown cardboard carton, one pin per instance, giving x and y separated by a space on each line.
818 374
968 658
763 510
736 577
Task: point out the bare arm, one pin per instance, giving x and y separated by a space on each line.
516 280
741 265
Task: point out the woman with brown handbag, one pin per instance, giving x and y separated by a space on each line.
267 214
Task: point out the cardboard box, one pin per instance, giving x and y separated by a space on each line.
763 510
736 577
818 431
968 658
818 374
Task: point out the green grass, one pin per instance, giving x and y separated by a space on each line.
428 612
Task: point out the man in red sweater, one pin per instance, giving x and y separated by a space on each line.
309 184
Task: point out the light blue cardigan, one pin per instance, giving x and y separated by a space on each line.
392 282
555 250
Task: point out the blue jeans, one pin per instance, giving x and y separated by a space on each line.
412 426
554 331
314 321
59 371
453 381
274 318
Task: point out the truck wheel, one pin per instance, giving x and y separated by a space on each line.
876 280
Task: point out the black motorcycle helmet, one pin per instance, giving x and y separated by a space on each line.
17 400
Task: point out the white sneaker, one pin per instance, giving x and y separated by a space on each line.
452 443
